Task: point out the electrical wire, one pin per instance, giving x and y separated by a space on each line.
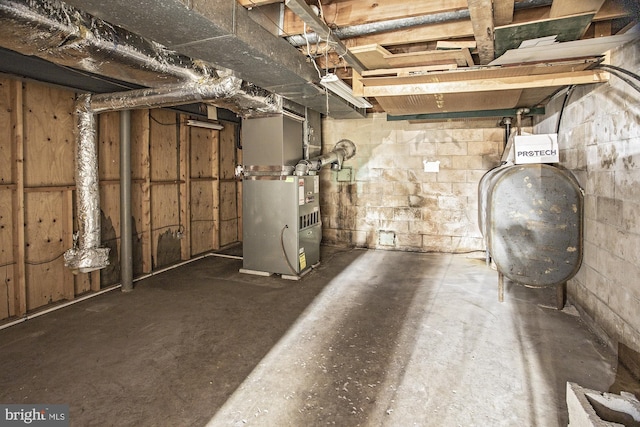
622 75
313 61
284 252
159 122
622 70
43 262
564 104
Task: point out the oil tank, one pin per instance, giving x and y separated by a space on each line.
531 219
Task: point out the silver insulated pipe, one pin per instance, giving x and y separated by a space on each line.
59 33
343 150
86 254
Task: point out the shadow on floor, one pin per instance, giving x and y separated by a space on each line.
169 353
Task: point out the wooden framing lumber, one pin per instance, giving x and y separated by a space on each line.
18 298
460 57
502 12
561 8
496 84
185 187
482 22
407 71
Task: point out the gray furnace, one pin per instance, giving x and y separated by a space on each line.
282 228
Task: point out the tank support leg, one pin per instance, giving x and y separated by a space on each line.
561 295
500 287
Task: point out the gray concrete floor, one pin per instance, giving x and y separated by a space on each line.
371 338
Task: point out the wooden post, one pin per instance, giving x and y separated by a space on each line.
185 188
18 301
68 286
144 140
481 12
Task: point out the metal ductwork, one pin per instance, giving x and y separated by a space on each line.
343 150
65 36
86 254
222 33
61 34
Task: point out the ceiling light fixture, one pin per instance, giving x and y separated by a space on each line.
340 88
208 125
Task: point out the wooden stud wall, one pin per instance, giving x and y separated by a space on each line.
7 188
228 186
204 190
177 172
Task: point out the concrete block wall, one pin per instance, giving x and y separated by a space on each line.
599 142
391 202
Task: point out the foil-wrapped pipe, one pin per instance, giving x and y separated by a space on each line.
167 96
64 35
86 254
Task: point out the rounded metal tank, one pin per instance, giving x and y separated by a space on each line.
531 219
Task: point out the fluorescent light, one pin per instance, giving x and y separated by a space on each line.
208 125
340 88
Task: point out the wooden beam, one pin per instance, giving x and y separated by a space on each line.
460 57
482 22
496 84
254 3
356 84
573 7
612 9
602 29
408 71
18 302
185 188
372 56
502 12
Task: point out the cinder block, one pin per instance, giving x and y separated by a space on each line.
451 175
591 408
480 148
457 148
468 134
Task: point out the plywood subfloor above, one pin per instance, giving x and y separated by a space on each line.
448 103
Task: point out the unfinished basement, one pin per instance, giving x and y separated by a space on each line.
320 212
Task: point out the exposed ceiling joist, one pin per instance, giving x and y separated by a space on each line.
254 3
502 12
495 84
571 7
481 12
221 32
